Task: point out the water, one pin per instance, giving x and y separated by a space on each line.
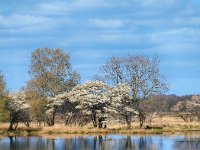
107 142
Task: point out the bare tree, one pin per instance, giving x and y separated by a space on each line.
181 108
194 106
139 72
150 108
188 110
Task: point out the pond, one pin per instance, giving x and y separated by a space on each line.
104 142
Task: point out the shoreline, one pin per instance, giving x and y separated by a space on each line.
30 131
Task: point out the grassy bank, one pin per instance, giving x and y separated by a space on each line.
61 129
168 125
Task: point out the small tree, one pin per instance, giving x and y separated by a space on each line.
92 98
19 109
37 107
184 111
4 113
188 110
150 108
120 103
72 115
194 106
52 105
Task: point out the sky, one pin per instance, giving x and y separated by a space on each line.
92 31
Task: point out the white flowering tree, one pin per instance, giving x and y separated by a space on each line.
72 115
121 104
92 99
52 106
18 108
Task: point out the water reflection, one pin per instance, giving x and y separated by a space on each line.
189 142
108 142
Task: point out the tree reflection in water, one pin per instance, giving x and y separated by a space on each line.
188 143
146 143
108 142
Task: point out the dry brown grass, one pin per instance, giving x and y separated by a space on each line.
170 120
168 124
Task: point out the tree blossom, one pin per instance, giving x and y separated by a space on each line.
121 102
18 107
53 104
17 101
91 98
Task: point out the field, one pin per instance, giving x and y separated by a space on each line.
169 124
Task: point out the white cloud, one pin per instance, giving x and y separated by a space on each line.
93 30
92 3
68 7
18 57
193 21
176 35
17 23
1 19
175 49
16 20
178 63
31 24
87 66
51 8
124 38
106 37
107 23
88 54
158 2
111 37
181 31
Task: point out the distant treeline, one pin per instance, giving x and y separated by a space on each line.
172 100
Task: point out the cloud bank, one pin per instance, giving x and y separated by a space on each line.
93 30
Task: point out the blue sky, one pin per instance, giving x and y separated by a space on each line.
94 30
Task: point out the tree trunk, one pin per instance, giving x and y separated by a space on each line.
141 122
100 122
12 121
161 119
51 120
94 120
11 126
128 121
142 118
